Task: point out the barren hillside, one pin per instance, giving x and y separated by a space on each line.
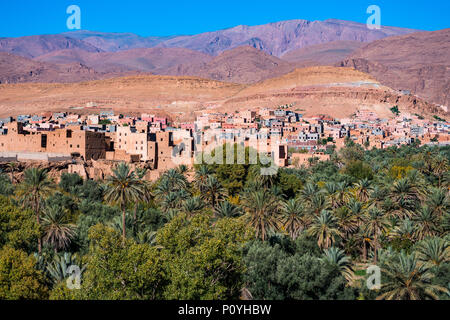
335 91
418 62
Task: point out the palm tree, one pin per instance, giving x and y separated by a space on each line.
433 251
261 212
227 209
375 222
192 206
445 223
265 180
35 187
332 194
183 169
140 174
201 176
336 257
426 223
58 231
363 190
439 201
318 203
408 279
440 166
12 167
175 179
405 229
294 217
163 187
123 188
405 196
173 200
347 220
308 191
325 229
343 194
213 191
146 236
58 269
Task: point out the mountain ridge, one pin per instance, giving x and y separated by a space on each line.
274 38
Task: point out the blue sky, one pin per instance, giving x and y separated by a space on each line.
162 18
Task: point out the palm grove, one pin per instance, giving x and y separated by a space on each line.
228 232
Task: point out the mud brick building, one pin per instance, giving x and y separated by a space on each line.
137 143
73 142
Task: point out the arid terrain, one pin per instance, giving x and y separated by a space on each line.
418 62
288 62
330 90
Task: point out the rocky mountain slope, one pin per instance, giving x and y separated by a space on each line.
281 37
34 46
274 38
322 54
154 60
418 62
16 69
240 65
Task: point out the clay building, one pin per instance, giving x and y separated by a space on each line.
71 142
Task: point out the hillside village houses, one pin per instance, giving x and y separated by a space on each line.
289 138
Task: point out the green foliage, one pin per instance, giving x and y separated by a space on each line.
203 261
92 213
359 170
69 181
197 240
439 118
279 274
104 122
395 110
18 227
6 187
19 279
290 183
118 270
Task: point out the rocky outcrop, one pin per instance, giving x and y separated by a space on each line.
96 170
101 169
54 169
417 62
240 65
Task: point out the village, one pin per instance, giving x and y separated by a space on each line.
285 136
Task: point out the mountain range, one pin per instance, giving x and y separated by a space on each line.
403 59
274 38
